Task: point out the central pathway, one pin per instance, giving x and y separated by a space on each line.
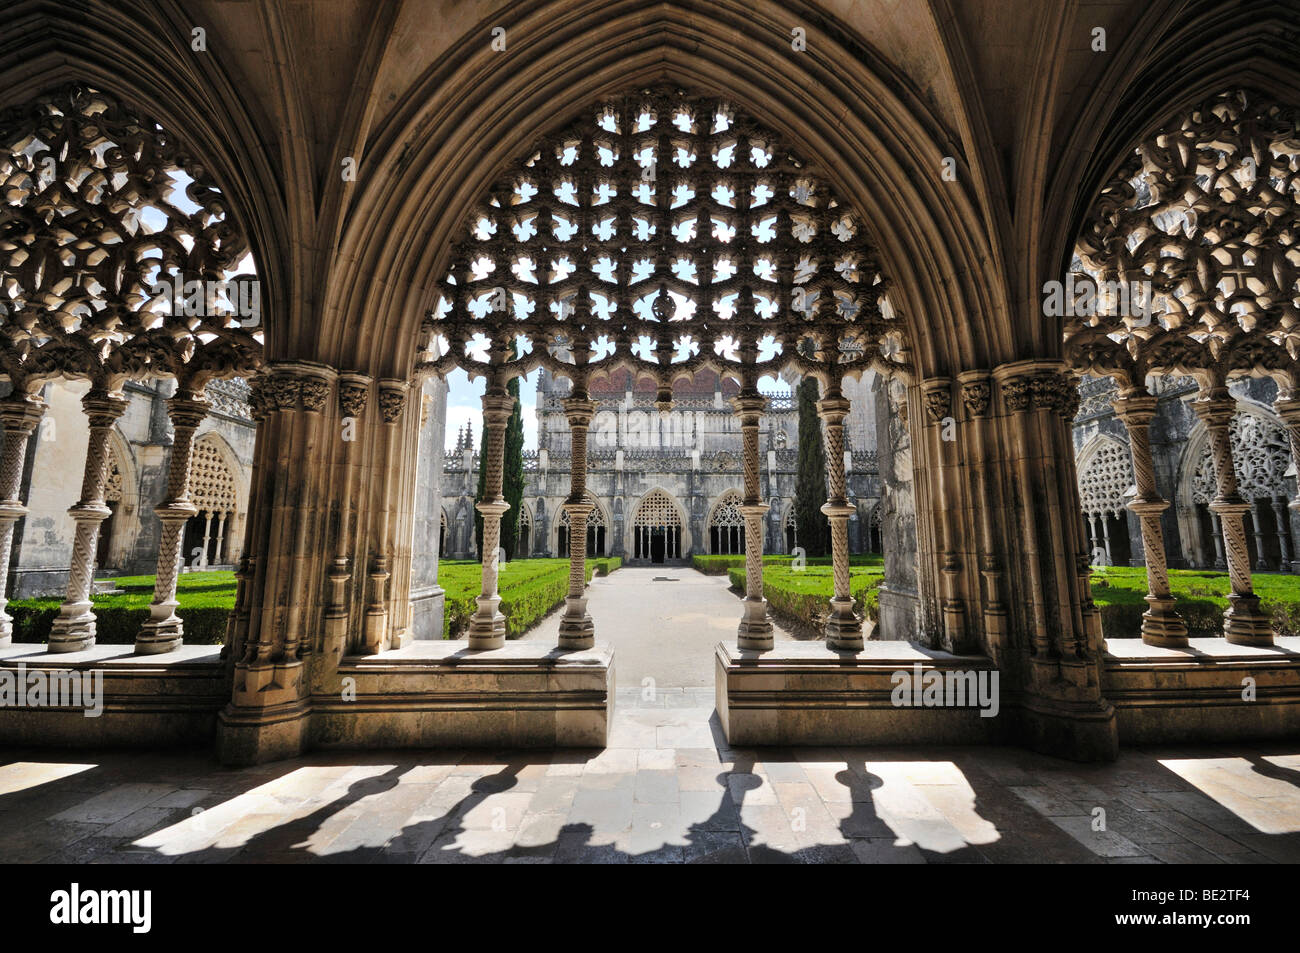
663 622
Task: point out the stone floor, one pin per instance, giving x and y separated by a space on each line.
667 789
670 620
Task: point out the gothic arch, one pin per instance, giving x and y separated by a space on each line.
122 493
725 524
658 496
141 56
219 485
599 517
1105 475
867 130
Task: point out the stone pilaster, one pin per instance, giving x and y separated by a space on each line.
755 631
487 627
74 629
976 398
1161 625
278 610
1053 659
1244 622
164 631
577 630
843 627
20 415
375 632
353 396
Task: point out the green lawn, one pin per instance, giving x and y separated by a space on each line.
802 595
206 600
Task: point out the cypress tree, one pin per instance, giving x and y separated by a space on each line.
811 526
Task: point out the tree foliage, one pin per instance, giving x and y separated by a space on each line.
811 526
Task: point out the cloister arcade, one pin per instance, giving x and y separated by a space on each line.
664 190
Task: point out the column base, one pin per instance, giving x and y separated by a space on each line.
843 628
1161 625
755 633
1244 623
74 630
160 635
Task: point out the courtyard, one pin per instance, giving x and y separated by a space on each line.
668 788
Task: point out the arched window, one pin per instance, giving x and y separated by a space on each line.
213 492
657 528
727 525
523 549
791 530
1105 477
595 530
1261 454
113 497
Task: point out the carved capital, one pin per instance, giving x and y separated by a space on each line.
392 398
315 391
103 408
937 396
354 389
975 395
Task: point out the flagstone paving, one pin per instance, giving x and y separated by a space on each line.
668 789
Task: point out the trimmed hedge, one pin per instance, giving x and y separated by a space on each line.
803 596
718 565
529 588
1200 597
206 601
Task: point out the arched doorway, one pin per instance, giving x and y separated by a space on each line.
657 528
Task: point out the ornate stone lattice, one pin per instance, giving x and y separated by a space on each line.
113 483
657 509
1106 478
666 233
727 512
1261 454
98 208
212 485
1207 211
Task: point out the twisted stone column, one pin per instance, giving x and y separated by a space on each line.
20 416
577 631
755 629
74 629
843 628
1161 625
1288 409
164 631
487 627
1244 622
1283 533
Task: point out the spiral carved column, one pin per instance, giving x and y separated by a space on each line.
755 630
487 627
1288 409
1161 624
1244 622
843 627
164 630
74 629
20 416
577 630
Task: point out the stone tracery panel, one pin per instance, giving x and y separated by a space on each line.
1207 211
1261 455
101 207
657 509
666 233
1104 481
212 485
727 510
